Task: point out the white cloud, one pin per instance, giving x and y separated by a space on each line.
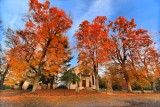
156 38
12 22
97 8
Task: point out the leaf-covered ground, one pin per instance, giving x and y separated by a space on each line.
69 98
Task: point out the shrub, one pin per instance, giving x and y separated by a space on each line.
62 87
30 87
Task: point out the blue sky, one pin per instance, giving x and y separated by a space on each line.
145 12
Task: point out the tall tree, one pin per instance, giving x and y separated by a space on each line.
144 59
4 60
126 38
135 58
42 45
90 38
149 62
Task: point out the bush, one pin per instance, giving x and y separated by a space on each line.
62 87
30 87
6 87
102 83
136 87
158 88
116 87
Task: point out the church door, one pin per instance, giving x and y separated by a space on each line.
83 83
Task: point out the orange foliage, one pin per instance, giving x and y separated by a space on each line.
42 45
90 40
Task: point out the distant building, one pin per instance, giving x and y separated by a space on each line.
86 75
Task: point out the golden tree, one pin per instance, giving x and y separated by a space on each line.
42 45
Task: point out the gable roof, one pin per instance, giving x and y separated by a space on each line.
83 69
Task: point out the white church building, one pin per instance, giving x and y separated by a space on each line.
86 75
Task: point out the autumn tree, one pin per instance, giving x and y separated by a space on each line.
108 82
2 74
144 59
122 30
126 38
90 38
5 65
115 75
149 63
15 70
3 68
4 60
42 44
142 40
14 78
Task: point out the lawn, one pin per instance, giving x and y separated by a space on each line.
69 98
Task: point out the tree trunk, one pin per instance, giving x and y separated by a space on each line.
42 86
97 82
51 83
46 86
109 84
1 84
142 90
21 85
2 81
69 85
129 87
153 85
77 88
35 85
96 77
3 76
